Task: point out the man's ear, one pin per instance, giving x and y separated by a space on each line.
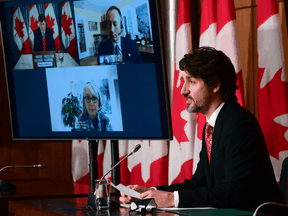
217 87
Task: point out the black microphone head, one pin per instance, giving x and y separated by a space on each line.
136 148
41 165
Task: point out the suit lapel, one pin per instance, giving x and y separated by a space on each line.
216 138
204 149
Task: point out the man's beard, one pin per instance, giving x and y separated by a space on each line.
195 108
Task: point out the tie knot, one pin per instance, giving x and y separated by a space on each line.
209 129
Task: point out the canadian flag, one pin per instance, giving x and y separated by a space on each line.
53 24
68 30
228 42
184 123
20 32
272 83
208 25
80 163
208 28
143 167
33 22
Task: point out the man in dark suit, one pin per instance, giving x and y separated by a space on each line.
117 44
43 36
234 170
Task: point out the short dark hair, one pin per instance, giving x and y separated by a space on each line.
212 66
42 17
114 8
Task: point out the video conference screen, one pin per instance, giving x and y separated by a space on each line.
85 69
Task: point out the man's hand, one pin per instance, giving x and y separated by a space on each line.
127 199
163 199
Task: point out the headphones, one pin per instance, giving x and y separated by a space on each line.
115 8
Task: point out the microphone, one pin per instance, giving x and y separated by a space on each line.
134 150
33 166
8 186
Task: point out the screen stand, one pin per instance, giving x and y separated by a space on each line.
115 160
93 166
93 169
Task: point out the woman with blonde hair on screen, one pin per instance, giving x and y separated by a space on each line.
92 116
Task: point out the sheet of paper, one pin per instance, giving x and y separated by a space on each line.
127 191
125 205
174 208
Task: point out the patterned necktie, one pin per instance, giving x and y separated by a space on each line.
117 50
208 139
44 42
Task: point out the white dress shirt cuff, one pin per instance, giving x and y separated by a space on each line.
176 198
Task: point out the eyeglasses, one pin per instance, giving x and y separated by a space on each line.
88 99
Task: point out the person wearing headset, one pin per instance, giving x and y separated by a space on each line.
116 44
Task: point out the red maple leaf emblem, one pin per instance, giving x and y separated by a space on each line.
272 103
33 23
19 26
50 22
178 106
66 23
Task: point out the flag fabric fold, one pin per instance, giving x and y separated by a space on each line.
182 146
141 168
68 33
33 22
272 83
53 24
144 167
20 32
227 40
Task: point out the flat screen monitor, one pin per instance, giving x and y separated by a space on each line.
85 69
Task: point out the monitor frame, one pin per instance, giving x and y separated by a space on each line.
163 83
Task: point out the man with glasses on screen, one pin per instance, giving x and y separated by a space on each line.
234 170
121 48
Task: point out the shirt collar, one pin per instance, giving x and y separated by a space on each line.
213 117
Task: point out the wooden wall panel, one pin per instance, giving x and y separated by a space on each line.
57 156
283 21
245 31
242 3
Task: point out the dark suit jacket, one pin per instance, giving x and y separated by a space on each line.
130 51
38 41
240 174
